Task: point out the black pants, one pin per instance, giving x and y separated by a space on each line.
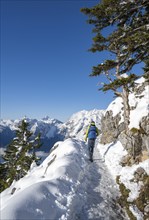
91 144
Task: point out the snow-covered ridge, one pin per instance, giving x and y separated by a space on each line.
46 191
60 186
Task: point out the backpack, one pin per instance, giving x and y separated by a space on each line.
92 132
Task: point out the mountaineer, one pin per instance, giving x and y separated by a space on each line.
91 133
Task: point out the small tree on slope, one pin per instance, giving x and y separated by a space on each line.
19 156
127 40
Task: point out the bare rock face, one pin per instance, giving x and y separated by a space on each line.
139 174
144 128
110 127
134 141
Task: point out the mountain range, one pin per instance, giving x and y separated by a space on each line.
52 130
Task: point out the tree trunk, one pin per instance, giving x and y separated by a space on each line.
125 97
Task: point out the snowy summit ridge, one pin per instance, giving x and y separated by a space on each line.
59 188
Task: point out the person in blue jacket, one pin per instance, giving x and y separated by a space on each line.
91 133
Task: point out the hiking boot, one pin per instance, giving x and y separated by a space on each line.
91 159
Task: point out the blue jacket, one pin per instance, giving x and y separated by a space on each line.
92 132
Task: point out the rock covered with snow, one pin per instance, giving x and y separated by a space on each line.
132 179
138 101
112 123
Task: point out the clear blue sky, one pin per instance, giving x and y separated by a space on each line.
45 64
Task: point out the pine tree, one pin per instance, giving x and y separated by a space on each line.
146 70
127 42
8 168
19 156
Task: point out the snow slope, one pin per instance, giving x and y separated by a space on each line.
65 186
47 190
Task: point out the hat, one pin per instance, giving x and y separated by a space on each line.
92 122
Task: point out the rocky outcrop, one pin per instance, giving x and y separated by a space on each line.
110 127
144 132
135 140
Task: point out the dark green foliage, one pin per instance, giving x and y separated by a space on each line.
120 28
19 156
104 67
127 38
129 81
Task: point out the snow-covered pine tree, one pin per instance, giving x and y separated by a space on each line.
19 156
121 28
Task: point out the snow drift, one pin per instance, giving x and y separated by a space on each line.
46 191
